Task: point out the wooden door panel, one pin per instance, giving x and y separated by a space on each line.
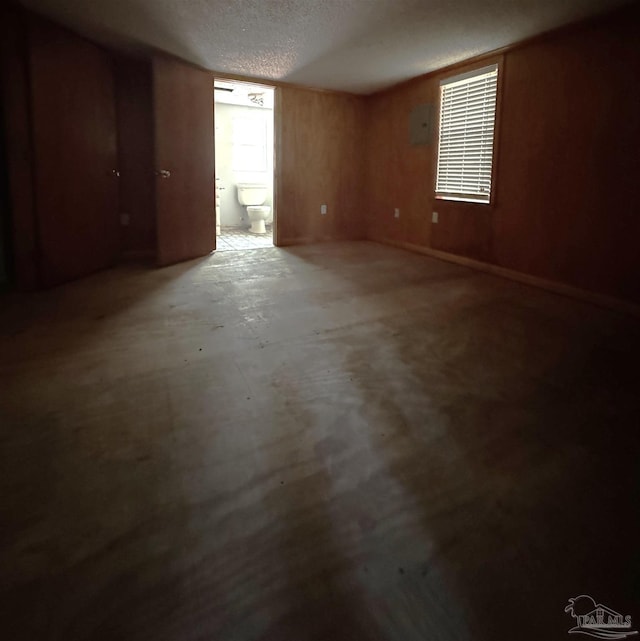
74 128
184 147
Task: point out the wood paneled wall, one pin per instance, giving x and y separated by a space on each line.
135 155
565 207
17 124
319 160
567 164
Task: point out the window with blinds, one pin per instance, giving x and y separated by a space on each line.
465 147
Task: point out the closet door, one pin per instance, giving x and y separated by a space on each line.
74 129
184 157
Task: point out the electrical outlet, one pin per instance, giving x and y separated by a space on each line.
396 213
434 216
323 209
124 219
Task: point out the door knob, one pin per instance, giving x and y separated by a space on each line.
163 173
115 173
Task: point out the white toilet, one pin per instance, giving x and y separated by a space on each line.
253 195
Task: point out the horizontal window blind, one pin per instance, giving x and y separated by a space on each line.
467 123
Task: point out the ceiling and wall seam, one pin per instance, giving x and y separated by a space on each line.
358 47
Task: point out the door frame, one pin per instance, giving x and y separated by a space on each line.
277 138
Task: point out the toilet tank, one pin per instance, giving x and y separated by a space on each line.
251 193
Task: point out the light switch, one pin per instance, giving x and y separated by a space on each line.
323 209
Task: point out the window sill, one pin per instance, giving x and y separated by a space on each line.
459 199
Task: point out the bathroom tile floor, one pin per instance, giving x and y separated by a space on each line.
233 238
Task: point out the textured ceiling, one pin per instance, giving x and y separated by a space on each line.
352 45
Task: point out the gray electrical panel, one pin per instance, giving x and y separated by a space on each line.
421 125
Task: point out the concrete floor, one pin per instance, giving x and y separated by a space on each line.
333 442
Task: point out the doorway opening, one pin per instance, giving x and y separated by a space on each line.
244 146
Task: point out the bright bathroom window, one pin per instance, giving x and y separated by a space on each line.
249 152
467 127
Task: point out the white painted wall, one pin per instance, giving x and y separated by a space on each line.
228 169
